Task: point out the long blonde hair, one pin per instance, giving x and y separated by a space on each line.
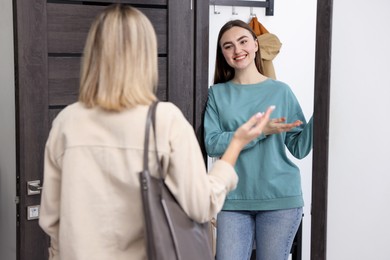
119 67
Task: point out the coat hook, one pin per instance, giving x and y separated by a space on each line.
215 11
234 10
252 13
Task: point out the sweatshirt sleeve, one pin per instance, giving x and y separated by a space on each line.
299 140
216 138
201 195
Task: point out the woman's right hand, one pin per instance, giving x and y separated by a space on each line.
246 133
253 127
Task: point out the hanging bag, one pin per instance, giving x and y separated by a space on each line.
170 233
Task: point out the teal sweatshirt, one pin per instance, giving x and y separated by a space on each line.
268 180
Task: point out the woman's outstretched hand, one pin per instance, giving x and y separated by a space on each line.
246 133
278 125
253 127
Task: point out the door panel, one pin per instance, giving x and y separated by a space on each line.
49 39
63 80
68 25
64 76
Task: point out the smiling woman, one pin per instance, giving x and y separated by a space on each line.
297 70
266 207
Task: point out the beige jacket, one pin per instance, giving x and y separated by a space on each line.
91 205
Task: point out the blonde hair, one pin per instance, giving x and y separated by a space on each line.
119 67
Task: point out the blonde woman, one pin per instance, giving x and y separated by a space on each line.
91 202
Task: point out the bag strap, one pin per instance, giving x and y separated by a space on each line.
151 120
159 168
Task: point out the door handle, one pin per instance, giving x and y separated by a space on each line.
34 187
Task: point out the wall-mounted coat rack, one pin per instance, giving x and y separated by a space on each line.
268 4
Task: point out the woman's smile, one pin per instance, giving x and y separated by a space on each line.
240 57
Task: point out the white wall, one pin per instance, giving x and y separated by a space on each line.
359 158
7 135
294 22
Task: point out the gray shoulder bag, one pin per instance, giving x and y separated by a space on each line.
170 233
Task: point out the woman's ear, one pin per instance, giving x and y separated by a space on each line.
257 44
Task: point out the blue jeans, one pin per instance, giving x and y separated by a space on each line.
272 232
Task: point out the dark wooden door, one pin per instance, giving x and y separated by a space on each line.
49 39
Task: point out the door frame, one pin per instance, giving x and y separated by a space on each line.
31 88
321 129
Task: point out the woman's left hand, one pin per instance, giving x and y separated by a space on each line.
278 125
